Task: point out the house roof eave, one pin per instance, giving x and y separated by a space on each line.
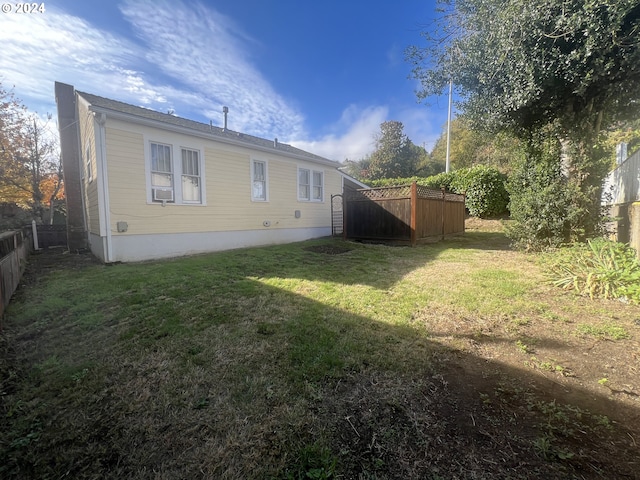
241 140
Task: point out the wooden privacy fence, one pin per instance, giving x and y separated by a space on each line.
51 236
14 248
407 214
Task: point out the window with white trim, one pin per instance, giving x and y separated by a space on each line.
259 181
191 176
310 185
162 189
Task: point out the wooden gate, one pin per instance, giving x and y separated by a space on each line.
52 236
337 222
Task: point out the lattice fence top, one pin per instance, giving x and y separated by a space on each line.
382 193
424 192
403 191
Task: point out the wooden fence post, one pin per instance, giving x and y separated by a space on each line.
443 204
414 208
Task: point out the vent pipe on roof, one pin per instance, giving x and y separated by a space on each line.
211 125
225 110
275 142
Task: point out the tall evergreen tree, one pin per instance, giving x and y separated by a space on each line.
395 155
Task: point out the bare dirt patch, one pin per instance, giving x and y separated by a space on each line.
328 249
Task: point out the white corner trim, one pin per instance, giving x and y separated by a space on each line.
103 185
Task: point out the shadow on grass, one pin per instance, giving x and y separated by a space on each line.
249 379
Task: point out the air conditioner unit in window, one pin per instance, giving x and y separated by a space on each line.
162 194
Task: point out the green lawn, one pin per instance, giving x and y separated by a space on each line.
321 359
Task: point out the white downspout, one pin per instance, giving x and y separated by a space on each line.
103 185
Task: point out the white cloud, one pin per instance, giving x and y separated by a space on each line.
207 53
188 58
355 138
353 135
420 126
39 49
202 56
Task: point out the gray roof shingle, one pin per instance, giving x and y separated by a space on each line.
213 131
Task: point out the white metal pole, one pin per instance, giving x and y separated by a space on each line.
448 163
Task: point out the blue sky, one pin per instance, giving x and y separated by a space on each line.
321 75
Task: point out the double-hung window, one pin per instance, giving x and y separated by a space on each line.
176 180
191 176
316 195
310 185
162 188
259 181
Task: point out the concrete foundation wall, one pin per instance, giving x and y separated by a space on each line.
134 248
625 226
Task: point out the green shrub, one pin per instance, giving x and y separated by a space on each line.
484 187
549 207
599 268
393 182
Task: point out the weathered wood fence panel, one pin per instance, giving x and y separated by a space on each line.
51 235
13 260
405 214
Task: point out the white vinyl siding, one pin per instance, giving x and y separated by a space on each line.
310 185
258 181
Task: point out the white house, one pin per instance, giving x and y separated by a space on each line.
143 185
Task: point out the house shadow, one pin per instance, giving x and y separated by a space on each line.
391 399
392 394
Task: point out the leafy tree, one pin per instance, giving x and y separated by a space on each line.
545 207
395 155
358 169
529 65
471 146
27 158
427 164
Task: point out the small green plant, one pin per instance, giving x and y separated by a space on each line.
601 268
603 381
549 366
544 446
608 331
523 347
313 461
79 376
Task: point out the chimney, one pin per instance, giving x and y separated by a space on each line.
225 111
